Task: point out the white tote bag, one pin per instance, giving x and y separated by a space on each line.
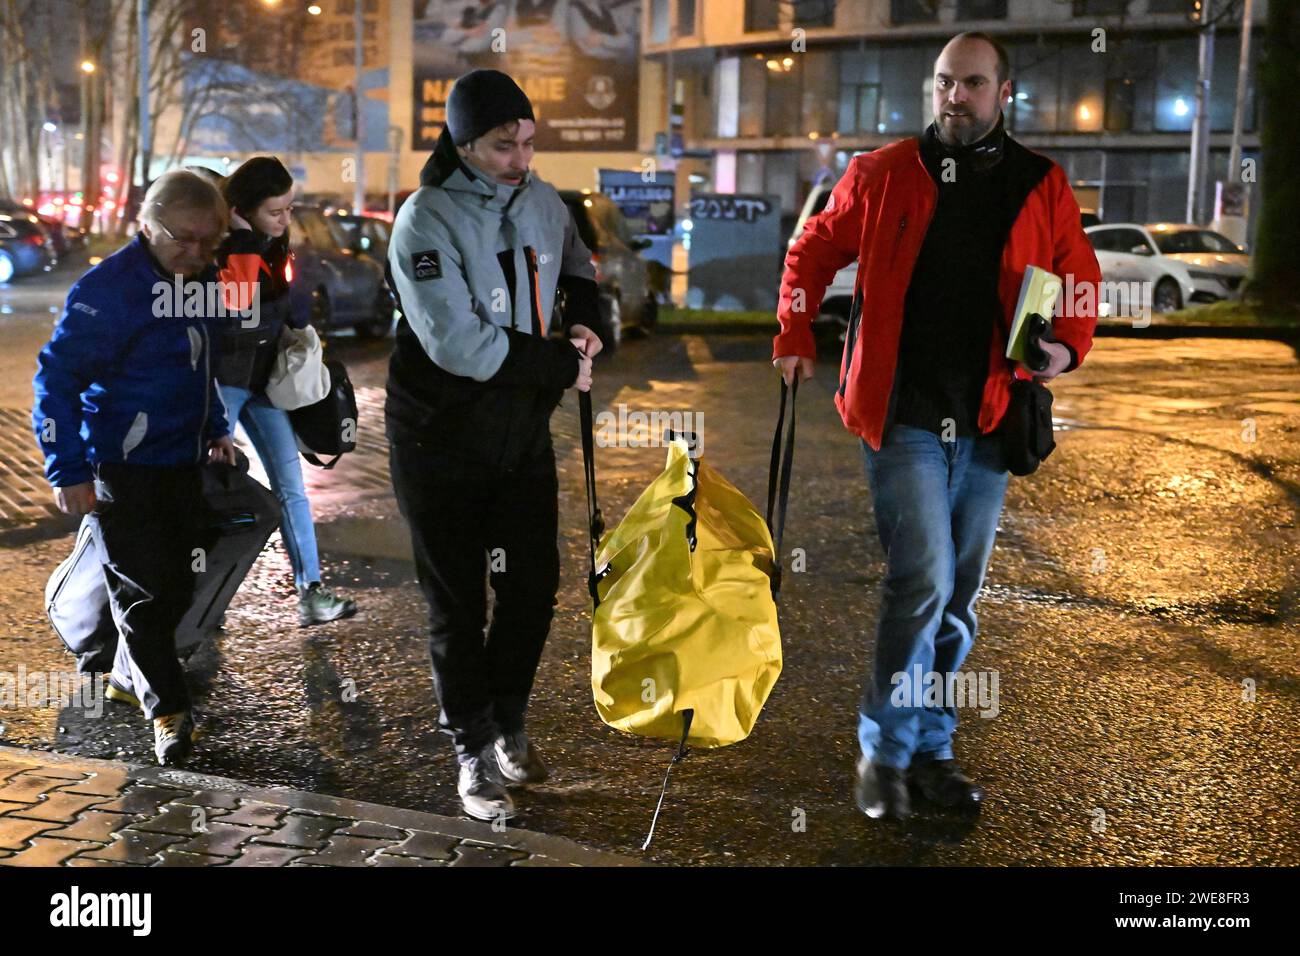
299 377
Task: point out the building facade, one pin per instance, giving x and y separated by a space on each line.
776 94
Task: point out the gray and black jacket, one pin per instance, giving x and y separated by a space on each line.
474 266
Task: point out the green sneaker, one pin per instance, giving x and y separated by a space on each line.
317 605
121 695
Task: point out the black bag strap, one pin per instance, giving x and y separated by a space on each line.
778 492
320 464
595 521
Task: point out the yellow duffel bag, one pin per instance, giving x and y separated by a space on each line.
685 640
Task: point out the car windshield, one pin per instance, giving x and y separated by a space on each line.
343 230
313 229
1194 240
580 218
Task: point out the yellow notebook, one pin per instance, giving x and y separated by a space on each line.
1038 293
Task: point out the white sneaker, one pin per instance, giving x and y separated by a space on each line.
481 794
518 760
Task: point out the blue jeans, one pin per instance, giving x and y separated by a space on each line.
272 436
937 505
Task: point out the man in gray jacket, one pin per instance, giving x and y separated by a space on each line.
476 257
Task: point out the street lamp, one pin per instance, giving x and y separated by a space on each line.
87 66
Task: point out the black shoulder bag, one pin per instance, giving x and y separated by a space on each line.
1027 428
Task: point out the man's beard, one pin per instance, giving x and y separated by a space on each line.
966 133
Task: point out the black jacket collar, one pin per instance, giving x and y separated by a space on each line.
979 156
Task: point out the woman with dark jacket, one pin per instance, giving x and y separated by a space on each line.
254 261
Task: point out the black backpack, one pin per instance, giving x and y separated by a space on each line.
328 427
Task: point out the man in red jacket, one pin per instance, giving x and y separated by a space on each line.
943 227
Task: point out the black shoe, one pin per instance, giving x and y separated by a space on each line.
881 791
941 782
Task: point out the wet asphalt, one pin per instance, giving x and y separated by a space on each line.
1140 613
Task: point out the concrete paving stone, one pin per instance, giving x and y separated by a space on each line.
108 783
252 813
9 770
84 860
176 818
6 807
252 855
210 798
57 772
142 798
347 851
541 861
97 826
374 831
486 856
27 788
174 857
304 830
48 851
131 846
384 859
14 833
59 807
421 843
222 839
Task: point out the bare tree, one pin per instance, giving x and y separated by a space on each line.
25 87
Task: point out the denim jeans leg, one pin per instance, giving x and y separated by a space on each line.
978 488
234 399
272 436
909 479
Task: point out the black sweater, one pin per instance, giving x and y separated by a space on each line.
952 299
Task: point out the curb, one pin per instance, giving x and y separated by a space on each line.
551 848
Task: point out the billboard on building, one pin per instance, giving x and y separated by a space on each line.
646 200
576 60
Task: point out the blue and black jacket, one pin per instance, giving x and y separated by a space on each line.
127 375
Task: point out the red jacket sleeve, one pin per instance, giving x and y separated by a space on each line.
829 242
1075 262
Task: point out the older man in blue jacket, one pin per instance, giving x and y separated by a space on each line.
126 413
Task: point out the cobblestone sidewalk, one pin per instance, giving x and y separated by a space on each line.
62 811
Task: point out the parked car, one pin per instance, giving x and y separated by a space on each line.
331 286
61 239
365 235
623 276
24 247
839 294
1177 264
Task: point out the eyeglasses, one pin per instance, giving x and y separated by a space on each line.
204 243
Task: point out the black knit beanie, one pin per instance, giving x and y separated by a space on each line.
482 100
254 182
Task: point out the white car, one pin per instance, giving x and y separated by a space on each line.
839 294
1165 266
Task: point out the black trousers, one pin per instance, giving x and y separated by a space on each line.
473 525
149 524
